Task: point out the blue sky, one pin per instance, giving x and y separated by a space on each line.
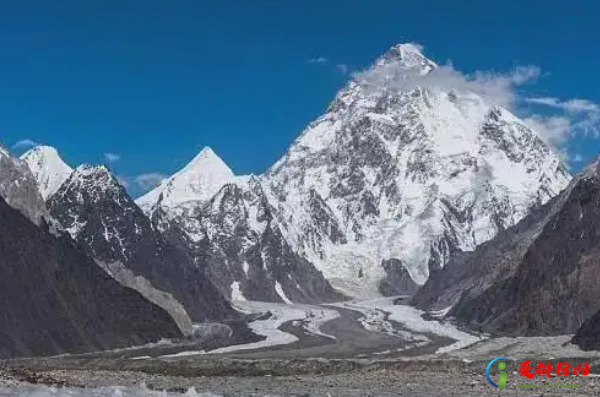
153 81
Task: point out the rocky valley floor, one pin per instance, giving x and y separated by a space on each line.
366 348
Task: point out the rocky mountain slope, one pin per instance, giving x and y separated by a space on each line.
588 335
391 181
55 299
226 223
19 189
546 274
378 193
99 214
468 274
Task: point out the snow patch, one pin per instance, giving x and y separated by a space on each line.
281 293
236 292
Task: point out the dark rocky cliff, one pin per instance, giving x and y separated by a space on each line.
55 299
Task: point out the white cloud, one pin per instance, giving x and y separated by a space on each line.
149 181
572 105
495 88
25 144
342 68
124 181
561 120
320 60
582 115
555 130
111 157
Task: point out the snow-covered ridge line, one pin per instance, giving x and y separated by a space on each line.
48 168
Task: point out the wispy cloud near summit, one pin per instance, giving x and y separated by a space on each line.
320 60
25 144
111 157
150 180
561 120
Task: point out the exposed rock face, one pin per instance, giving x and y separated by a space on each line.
55 299
398 280
542 277
99 214
19 188
408 173
468 274
160 298
227 225
247 258
397 177
588 336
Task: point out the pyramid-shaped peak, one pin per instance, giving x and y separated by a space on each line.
407 55
208 161
207 152
408 50
199 180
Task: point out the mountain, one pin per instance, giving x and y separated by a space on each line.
19 189
226 223
55 299
395 177
547 270
469 274
588 336
99 214
48 168
197 181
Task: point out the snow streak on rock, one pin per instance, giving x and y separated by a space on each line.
234 234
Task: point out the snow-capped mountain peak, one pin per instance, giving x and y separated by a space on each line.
96 180
48 168
199 180
396 176
95 209
207 161
408 56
